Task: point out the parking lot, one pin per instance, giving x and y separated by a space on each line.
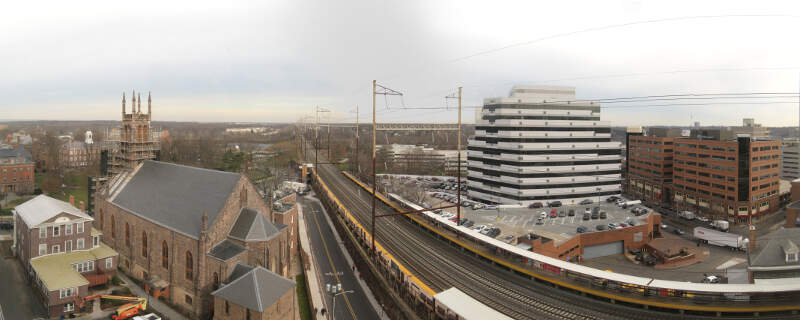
521 221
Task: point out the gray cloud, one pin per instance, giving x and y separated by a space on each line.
275 60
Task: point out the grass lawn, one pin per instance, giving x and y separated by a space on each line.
302 298
75 182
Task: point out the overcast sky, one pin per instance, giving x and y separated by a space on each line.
273 61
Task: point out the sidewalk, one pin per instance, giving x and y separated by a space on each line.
159 306
315 290
361 282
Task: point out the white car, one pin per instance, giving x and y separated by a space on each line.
703 219
479 228
151 316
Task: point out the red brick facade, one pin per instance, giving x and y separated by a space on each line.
149 250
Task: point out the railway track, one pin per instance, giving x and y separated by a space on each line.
441 266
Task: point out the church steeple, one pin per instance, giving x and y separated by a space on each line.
149 102
133 102
123 104
140 103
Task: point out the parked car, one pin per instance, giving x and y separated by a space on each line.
571 212
586 201
479 228
601 227
587 216
553 214
702 219
711 279
582 229
623 225
437 211
613 225
587 210
535 205
602 214
508 239
469 223
542 215
554 204
595 209
595 215
562 214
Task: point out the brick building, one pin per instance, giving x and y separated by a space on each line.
255 293
649 163
715 173
16 170
577 248
77 154
284 212
181 229
724 177
61 252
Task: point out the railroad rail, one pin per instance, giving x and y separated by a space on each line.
701 299
426 261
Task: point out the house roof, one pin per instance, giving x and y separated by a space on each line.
257 289
56 271
41 208
13 152
175 196
252 225
226 250
770 250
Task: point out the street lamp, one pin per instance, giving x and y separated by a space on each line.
333 290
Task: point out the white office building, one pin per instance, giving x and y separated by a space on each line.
790 159
540 145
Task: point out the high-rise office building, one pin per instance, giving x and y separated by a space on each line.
541 145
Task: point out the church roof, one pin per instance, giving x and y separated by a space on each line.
175 196
257 289
252 225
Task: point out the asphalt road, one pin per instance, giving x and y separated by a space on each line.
334 268
17 299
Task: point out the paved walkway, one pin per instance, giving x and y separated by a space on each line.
159 306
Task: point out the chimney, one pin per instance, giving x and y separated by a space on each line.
752 238
83 206
72 200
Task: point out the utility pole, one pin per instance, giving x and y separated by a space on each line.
329 138
458 137
458 210
386 92
358 165
374 177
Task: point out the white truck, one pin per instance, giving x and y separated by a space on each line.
722 239
721 225
688 215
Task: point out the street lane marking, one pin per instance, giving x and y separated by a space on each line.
730 263
333 267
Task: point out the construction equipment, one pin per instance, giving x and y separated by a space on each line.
125 311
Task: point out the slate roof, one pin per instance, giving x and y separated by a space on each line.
226 250
252 225
769 251
41 208
12 152
239 270
175 196
258 289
